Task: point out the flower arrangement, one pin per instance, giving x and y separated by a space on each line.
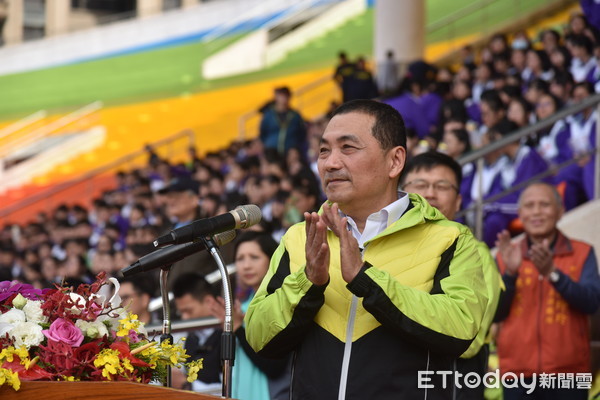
76 335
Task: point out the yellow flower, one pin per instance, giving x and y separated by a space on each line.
7 354
127 365
10 378
151 355
173 352
69 379
22 352
23 355
110 363
128 323
193 368
30 363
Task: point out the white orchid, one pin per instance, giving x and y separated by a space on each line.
78 300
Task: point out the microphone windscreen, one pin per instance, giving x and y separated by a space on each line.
252 215
224 237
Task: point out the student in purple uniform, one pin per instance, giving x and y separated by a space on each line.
493 111
583 61
432 101
488 180
456 144
410 106
575 141
523 164
547 139
591 10
538 66
461 90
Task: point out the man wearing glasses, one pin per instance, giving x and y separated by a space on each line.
437 177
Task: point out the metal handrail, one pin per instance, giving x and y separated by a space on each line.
45 130
22 123
531 129
469 9
93 173
292 9
187 325
458 14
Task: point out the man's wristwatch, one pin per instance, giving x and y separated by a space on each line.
554 276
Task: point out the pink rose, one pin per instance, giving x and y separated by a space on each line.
64 331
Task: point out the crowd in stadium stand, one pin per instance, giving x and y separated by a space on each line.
515 83
509 84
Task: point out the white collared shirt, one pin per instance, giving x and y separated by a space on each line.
379 221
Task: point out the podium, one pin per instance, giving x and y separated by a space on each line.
97 390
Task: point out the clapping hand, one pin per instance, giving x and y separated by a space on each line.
541 256
350 255
218 311
510 252
317 249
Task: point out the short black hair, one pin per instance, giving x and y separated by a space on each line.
141 284
512 91
492 98
539 84
429 160
193 284
504 127
462 135
555 100
552 32
284 90
588 86
582 41
388 128
544 58
527 106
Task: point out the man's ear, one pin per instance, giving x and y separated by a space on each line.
397 159
146 298
458 202
209 300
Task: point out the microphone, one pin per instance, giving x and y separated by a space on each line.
240 218
171 254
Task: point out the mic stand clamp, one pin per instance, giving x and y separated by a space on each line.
228 337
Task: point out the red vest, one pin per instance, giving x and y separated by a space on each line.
542 333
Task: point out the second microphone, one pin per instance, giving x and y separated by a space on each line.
242 217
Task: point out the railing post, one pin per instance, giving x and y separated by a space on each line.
479 202
597 159
241 129
191 138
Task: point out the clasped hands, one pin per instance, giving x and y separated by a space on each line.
540 254
317 248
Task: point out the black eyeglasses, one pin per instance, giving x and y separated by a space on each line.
419 185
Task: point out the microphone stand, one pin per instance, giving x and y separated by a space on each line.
227 338
166 328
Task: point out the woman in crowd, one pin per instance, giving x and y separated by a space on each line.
519 112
